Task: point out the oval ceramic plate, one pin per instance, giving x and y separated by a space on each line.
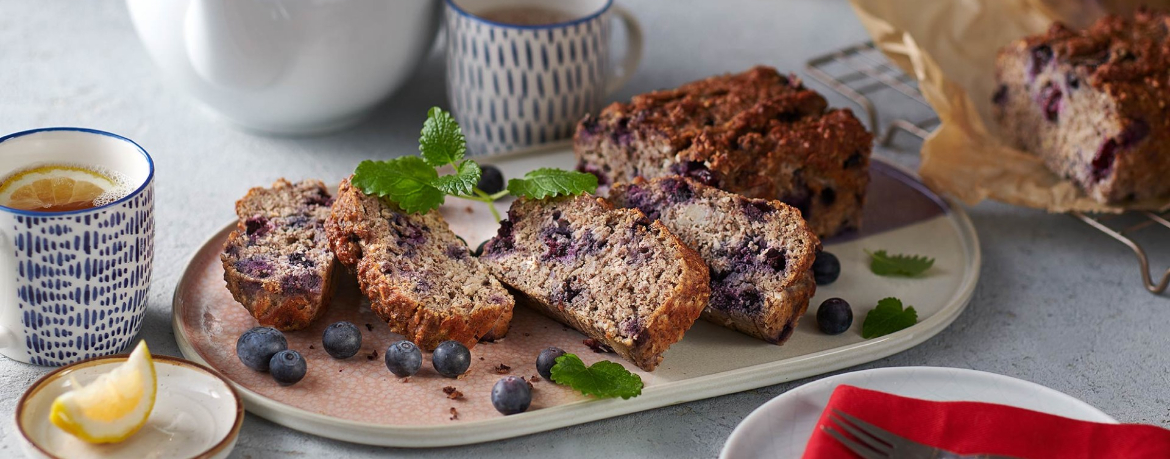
196 414
780 428
358 400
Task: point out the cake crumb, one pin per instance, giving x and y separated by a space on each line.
597 346
454 414
369 327
469 209
527 334
534 378
404 380
311 346
527 382
373 355
452 393
502 369
481 358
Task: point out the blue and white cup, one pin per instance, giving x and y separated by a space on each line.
73 284
512 85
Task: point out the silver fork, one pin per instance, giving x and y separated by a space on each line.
875 443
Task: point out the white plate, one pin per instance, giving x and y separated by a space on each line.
780 428
710 360
196 414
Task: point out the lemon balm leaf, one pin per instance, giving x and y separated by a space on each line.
462 181
547 182
884 264
888 317
602 379
405 181
441 141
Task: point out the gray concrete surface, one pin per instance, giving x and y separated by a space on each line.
1058 304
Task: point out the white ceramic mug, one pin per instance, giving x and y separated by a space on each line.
512 86
287 66
73 284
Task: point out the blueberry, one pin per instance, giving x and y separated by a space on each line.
451 358
342 340
826 268
257 346
491 181
511 395
479 250
403 358
834 316
546 360
288 367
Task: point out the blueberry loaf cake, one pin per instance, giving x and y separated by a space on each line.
612 274
1093 104
420 278
277 262
759 133
759 252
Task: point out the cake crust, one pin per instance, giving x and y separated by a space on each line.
758 133
420 278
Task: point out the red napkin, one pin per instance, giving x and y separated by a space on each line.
974 427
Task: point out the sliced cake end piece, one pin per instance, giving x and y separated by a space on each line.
277 262
760 252
420 278
612 274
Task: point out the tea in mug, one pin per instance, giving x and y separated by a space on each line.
62 188
526 15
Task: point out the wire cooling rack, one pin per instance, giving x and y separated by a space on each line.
862 74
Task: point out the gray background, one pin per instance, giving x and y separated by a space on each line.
1058 303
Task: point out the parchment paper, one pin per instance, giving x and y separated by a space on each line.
950 47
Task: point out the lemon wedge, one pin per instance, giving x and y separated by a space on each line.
112 407
54 188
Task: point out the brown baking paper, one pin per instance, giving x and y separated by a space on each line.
950 47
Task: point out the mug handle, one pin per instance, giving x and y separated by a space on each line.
8 307
633 50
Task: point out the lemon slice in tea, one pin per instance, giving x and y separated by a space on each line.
112 407
54 188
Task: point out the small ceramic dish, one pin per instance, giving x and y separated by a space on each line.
196 414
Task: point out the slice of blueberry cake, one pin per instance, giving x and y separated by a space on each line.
1093 104
760 252
277 262
420 278
758 133
612 274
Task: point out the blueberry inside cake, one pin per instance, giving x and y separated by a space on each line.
612 274
760 252
1093 104
277 262
758 133
420 278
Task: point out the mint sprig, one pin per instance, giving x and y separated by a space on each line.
414 183
602 379
884 264
888 317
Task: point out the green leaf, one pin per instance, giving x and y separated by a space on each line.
462 181
602 379
888 317
441 141
405 181
545 182
884 264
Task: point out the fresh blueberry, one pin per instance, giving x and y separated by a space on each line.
451 358
342 340
479 250
834 316
403 358
826 268
546 360
257 346
288 367
511 395
491 181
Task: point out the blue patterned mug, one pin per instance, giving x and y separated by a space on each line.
524 72
73 283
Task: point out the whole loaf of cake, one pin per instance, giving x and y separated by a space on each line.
758 133
1093 104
